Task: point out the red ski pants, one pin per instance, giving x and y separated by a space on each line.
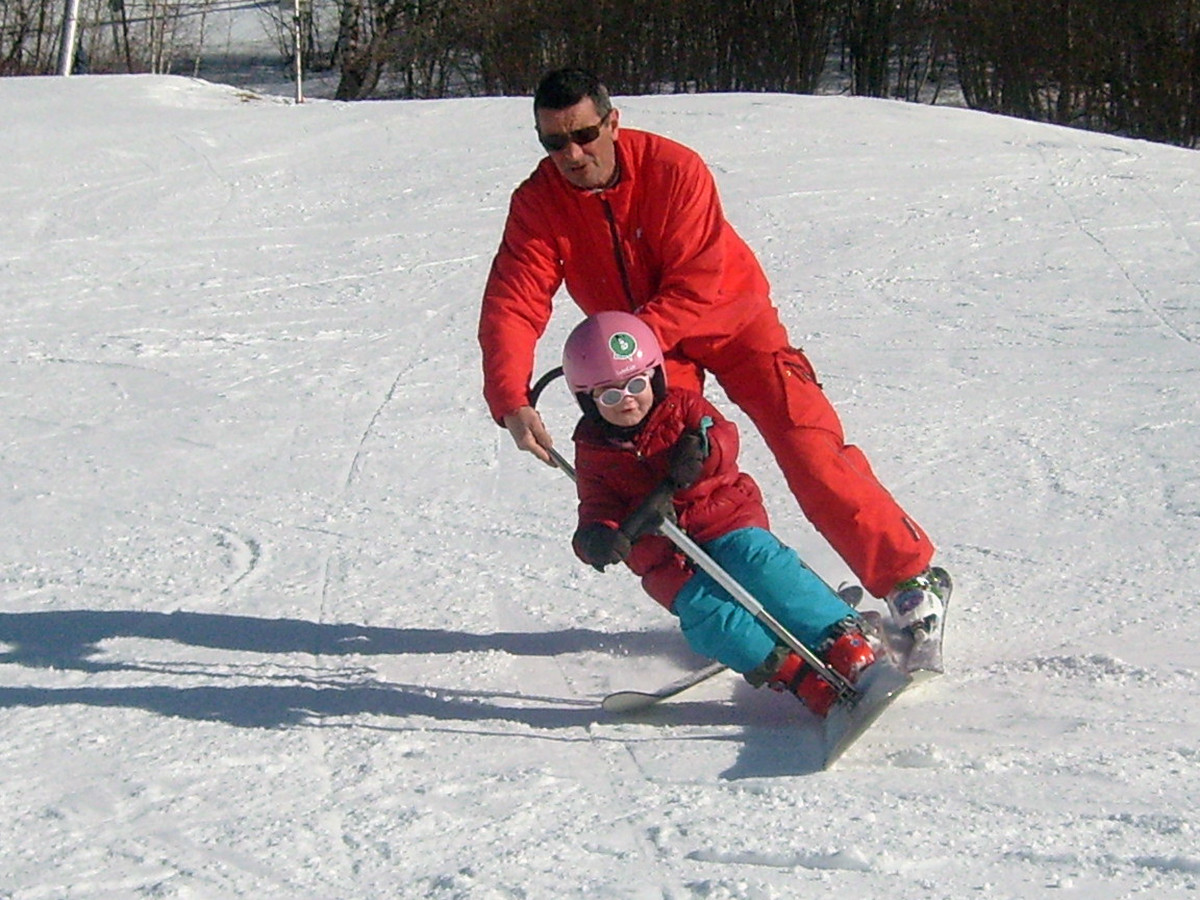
775 385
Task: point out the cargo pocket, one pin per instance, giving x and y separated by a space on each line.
798 380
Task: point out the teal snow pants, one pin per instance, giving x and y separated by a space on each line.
718 627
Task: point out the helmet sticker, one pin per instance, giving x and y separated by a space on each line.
622 345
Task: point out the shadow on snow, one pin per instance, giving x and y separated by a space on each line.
70 640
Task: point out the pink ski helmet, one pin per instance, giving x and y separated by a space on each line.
606 347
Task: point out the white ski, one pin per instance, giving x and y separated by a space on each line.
905 663
908 662
632 701
881 685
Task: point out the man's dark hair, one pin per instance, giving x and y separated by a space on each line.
563 88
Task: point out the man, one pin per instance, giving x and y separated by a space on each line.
631 221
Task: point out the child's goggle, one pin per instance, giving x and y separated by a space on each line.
614 395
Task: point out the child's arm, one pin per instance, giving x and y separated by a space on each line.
598 541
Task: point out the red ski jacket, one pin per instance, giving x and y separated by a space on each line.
614 478
656 243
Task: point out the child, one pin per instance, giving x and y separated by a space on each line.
644 446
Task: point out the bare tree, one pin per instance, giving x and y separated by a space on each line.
1131 68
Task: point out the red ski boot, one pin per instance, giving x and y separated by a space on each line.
849 653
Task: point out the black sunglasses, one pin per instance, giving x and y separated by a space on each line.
581 136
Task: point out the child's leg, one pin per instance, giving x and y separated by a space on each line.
719 627
775 575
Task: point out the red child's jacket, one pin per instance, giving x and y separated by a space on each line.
613 479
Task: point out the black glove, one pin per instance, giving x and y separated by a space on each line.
601 545
687 459
654 509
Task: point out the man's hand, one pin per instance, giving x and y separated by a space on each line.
525 425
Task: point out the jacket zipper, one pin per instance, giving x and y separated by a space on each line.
616 239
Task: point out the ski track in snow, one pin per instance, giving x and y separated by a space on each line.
285 615
1151 220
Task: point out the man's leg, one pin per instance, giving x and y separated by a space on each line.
832 480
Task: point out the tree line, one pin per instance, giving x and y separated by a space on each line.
1124 66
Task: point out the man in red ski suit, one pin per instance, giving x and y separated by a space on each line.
631 221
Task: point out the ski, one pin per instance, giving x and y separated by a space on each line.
881 685
632 701
905 661
908 661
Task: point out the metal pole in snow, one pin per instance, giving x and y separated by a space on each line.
292 8
66 53
299 59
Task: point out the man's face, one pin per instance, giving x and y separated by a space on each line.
590 165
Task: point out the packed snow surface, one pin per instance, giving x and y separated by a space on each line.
285 615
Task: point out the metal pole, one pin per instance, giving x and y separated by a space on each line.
299 58
66 53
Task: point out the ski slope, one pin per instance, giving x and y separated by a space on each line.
284 615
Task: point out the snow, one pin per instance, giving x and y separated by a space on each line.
285 615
